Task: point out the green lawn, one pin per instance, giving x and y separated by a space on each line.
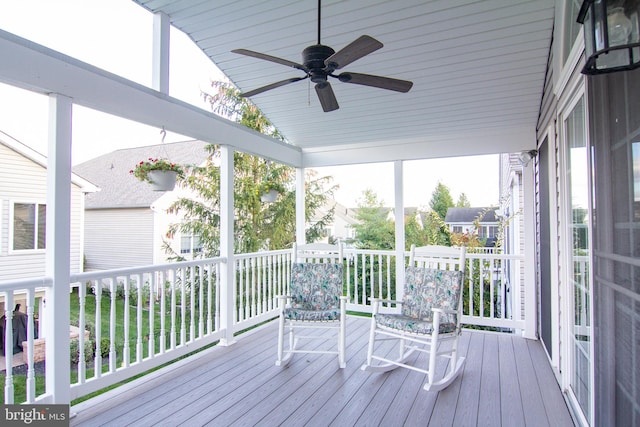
19 381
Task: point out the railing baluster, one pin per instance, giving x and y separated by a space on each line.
138 281
389 284
209 290
470 281
82 365
217 301
371 283
152 308
173 331
192 302
8 348
113 355
126 352
162 278
183 306
253 287
492 291
200 300
31 378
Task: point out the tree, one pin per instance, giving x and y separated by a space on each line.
374 230
463 201
258 225
435 229
441 200
414 233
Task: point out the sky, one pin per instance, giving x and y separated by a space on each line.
84 29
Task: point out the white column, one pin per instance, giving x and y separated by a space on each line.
227 275
161 48
398 180
58 253
530 301
300 207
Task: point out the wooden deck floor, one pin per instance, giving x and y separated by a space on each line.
507 381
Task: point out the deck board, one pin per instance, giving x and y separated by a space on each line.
240 385
466 413
511 402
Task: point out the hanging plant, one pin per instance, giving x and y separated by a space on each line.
160 173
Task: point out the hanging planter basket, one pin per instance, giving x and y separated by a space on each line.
161 174
270 196
162 180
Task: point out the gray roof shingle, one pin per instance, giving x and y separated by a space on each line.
120 189
468 215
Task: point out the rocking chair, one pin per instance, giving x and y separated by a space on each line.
429 320
315 301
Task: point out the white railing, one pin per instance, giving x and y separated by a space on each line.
260 277
370 273
11 291
493 292
148 316
179 300
492 295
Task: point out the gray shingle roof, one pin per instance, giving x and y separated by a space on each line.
468 215
120 189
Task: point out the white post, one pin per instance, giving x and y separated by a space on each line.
227 273
300 207
530 301
58 253
161 48
399 214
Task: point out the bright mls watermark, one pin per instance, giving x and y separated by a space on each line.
34 415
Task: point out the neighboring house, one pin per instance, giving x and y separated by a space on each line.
23 202
23 198
462 220
408 213
126 221
343 220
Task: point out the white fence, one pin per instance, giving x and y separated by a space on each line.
147 316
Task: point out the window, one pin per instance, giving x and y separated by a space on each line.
579 276
190 245
457 229
29 226
571 27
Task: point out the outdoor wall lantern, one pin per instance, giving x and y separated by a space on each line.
611 36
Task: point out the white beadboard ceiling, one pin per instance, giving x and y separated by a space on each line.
477 66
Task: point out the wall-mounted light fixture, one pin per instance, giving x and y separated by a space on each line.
526 156
611 35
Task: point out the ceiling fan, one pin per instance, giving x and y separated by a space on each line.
319 62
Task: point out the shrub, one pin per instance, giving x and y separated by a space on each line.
105 346
89 350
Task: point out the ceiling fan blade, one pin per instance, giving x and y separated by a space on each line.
376 81
270 58
355 50
271 86
327 97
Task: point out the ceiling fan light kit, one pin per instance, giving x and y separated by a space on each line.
319 62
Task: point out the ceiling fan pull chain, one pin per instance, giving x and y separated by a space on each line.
309 93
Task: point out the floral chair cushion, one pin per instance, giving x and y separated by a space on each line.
424 289
315 292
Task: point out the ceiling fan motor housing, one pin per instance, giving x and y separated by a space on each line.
313 58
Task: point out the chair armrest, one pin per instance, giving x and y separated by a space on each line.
374 300
376 303
283 301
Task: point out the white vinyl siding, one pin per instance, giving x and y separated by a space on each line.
23 180
116 238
